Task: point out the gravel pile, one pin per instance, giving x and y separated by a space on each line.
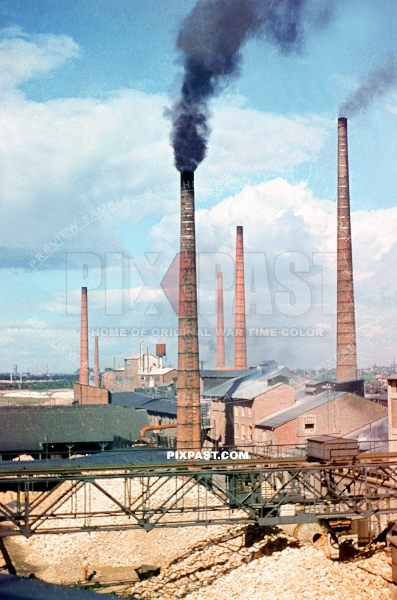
275 568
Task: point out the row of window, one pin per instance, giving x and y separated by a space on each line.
243 411
246 433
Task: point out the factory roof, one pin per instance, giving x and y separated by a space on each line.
254 382
166 406
157 371
299 408
139 399
30 428
137 455
223 373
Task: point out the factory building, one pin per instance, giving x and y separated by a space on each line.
139 370
326 413
53 431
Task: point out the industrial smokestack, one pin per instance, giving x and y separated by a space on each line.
240 342
346 356
96 361
83 379
188 383
220 338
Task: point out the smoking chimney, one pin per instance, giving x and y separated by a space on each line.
220 348
96 362
240 343
188 383
346 357
83 379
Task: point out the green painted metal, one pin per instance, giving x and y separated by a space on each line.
71 498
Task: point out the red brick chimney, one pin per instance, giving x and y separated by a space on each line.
188 384
83 379
240 343
346 356
96 361
220 337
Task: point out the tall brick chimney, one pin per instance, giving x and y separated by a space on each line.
96 361
188 384
240 342
83 379
346 355
220 336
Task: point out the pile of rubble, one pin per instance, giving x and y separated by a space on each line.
274 568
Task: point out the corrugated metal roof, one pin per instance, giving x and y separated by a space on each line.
251 384
299 408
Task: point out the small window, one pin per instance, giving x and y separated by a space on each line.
309 423
236 410
242 411
236 430
249 413
249 433
243 432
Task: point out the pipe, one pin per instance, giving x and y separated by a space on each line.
188 382
84 372
346 353
240 342
153 428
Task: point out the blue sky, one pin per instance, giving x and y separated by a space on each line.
83 86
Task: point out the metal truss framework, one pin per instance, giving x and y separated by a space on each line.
63 500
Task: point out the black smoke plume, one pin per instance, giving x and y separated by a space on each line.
374 86
210 41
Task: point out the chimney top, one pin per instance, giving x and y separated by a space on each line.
187 180
239 229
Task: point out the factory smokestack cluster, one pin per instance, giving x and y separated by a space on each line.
240 342
84 372
346 355
188 383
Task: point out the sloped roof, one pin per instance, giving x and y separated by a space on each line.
223 373
299 408
158 371
253 383
25 428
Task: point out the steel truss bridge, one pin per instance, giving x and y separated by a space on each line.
71 497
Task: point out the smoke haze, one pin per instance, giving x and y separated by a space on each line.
376 85
210 40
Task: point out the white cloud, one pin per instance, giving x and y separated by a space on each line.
24 56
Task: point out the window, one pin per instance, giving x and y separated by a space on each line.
242 411
309 423
249 433
243 432
236 430
249 413
236 410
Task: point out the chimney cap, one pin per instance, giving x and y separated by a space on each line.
239 229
